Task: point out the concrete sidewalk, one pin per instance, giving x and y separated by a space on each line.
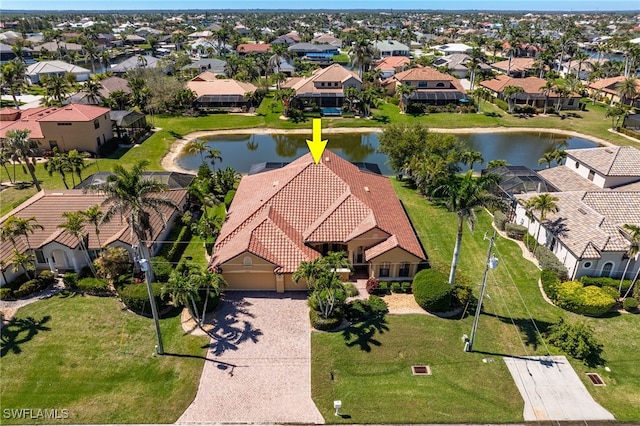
552 391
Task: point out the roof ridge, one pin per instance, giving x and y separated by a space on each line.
329 211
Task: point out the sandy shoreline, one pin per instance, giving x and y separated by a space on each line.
169 162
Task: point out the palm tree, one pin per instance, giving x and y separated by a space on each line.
56 88
361 54
633 233
559 155
616 112
92 89
74 226
308 271
24 261
463 195
471 157
494 164
94 216
4 160
543 203
511 93
627 89
481 94
58 163
213 155
24 149
132 196
404 92
581 57
547 158
547 89
279 54
197 146
12 78
76 164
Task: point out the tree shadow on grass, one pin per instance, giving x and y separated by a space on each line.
362 334
232 327
527 328
19 331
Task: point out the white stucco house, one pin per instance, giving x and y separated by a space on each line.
598 193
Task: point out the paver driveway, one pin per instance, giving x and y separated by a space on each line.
259 363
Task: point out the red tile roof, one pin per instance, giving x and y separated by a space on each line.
427 74
392 62
275 214
253 47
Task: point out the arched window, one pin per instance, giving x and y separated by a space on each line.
606 269
247 261
439 85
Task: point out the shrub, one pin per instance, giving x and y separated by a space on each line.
630 304
383 287
515 231
113 262
499 219
324 324
530 242
161 268
179 246
591 300
501 104
212 303
95 286
550 283
462 294
136 298
406 287
26 289
70 280
350 289
46 278
6 293
361 310
609 291
372 285
432 291
548 260
576 340
605 281
396 288
228 198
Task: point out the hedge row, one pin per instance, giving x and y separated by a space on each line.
179 246
93 286
515 231
550 283
324 324
591 300
499 219
548 260
606 282
136 298
42 281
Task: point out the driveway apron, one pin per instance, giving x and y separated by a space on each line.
258 367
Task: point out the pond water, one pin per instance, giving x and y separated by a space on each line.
241 151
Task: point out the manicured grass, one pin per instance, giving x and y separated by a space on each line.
376 385
90 356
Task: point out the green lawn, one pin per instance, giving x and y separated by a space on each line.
90 356
371 368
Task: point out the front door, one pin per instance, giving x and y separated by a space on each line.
60 259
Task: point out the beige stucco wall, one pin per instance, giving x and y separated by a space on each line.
366 240
241 276
82 136
394 258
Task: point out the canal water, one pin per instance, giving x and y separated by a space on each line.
241 151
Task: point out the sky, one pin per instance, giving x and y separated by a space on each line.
516 5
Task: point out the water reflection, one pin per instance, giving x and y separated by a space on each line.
241 150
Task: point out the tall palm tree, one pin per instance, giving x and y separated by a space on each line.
627 89
547 89
463 195
58 163
12 78
4 160
132 196
543 204
213 155
92 89
94 215
279 53
198 146
24 261
511 93
361 54
547 158
25 150
471 157
633 233
76 164
581 57
74 226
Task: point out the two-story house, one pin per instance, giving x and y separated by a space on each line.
429 85
325 87
598 193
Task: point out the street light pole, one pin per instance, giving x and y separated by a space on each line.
145 266
491 263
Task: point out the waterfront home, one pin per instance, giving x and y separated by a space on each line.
135 62
430 86
220 94
607 88
314 52
598 193
532 94
302 211
47 68
515 67
324 87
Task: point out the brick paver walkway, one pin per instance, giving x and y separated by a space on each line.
259 363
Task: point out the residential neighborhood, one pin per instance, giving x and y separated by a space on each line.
265 214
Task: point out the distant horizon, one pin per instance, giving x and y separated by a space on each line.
571 6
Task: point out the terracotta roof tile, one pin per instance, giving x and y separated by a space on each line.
304 202
218 86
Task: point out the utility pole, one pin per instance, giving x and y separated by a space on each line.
145 266
491 263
